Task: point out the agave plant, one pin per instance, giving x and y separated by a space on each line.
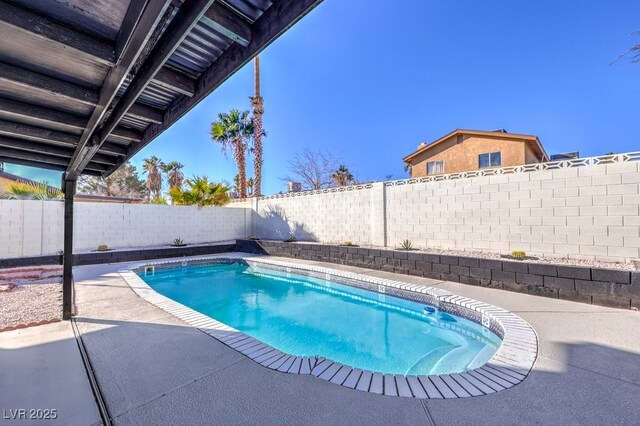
200 192
30 191
406 245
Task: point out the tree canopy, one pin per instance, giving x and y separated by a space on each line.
124 182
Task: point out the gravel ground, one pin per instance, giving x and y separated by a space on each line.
31 302
487 255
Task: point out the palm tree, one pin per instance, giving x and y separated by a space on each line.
342 176
152 166
201 192
174 173
236 185
258 132
30 191
251 186
234 130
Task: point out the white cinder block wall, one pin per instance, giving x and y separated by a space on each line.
328 217
589 212
34 228
585 212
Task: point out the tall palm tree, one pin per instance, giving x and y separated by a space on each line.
234 130
342 176
199 191
152 166
258 131
174 173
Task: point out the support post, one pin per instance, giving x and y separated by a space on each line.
69 187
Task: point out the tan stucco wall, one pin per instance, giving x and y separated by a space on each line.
529 155
462 157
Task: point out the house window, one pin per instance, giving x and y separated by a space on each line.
493 159
435 167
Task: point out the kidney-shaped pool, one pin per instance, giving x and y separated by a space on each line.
311 316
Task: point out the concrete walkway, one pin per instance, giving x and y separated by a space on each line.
154 369
41 368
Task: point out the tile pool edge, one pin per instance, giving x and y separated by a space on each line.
509 366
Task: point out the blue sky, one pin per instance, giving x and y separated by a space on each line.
369 81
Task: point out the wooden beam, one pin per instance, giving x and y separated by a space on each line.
24 131
145 113
40 84
22 112
275 21
56 151
16 110
127 134
46 166
175 81
26 26
187 17
146 19
229 23
37 157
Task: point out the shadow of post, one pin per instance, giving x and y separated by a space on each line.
274 224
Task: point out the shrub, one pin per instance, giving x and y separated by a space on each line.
518 254
178 242
406 245
103 247
158 200
30 191
291 239
347 243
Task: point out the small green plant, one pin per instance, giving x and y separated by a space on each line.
291 239
103 247
518 254
406 245
347 243
158 200
178 242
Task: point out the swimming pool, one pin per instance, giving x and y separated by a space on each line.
321 316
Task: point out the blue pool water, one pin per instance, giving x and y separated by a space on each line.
305 317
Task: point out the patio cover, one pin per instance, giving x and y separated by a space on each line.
86 84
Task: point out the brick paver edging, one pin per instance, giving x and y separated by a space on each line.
28 325
510 365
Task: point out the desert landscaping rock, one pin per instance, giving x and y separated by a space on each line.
30 303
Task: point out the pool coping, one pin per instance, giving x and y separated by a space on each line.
509 366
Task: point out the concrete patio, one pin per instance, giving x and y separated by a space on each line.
154 369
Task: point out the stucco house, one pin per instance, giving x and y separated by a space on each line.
466 150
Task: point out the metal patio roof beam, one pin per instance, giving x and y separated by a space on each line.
187 17
23 25
142 17
229 23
